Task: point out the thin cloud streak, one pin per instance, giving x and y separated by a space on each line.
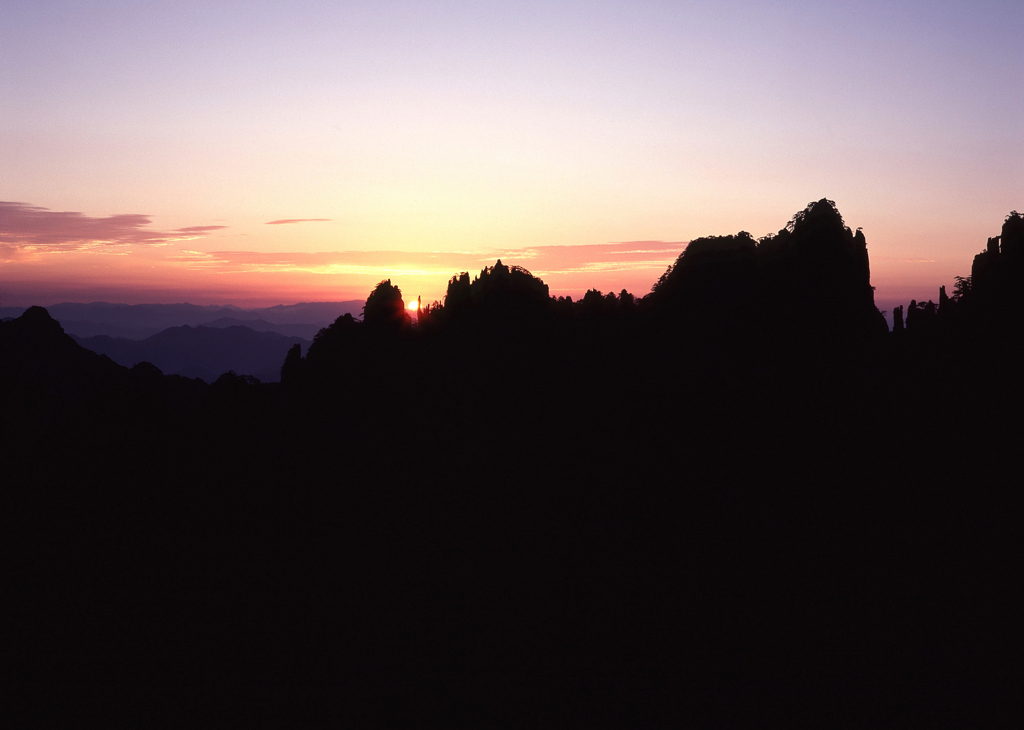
284 221
34 228
199 230
276 277
540 260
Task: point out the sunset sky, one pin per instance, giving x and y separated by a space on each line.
266 153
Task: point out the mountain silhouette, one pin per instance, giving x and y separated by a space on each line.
810 282
35 352
735 501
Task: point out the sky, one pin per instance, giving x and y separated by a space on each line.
265 153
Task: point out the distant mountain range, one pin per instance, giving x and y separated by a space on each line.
202 352
139 321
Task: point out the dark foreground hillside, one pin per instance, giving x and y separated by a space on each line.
729 504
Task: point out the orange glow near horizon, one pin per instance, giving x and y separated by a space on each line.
50 257
165 274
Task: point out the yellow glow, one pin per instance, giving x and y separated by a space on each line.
413 306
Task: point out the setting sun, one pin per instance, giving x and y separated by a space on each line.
413 306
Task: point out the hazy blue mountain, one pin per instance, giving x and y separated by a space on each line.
305 331
322 313
139 321
202 352
9 313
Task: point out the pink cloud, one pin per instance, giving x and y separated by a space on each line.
297 220
26 226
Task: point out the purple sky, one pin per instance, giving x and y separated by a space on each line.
138 139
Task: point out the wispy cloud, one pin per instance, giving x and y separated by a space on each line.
275 277
199 230
31 227
297 220
543 261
